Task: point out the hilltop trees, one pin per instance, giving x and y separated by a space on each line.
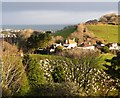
109 18
29 40
22 38
36 41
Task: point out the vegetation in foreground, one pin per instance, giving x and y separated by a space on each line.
72 73
65 73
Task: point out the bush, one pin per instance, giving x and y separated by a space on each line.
58 49
14 80
56 89
105 49
58 74
34 72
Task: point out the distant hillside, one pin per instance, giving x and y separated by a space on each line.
111 18
65 32
83 34
104 29
107 32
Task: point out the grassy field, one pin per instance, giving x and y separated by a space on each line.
107 32
65 32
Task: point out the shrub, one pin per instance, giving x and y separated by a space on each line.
34 72
105 49
56 89
58 49
58 74
14 80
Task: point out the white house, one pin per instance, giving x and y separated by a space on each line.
87 48
114 46
70 44
56 45
102 45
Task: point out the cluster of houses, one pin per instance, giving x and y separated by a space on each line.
20 30
7 35
70 44
9 30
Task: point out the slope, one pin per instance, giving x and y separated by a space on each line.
107 32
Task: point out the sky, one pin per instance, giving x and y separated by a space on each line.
16 13
60 0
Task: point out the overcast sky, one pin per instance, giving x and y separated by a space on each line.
60 0
54 12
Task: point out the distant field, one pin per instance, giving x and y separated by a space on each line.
65 32
107 32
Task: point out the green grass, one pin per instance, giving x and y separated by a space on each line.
42 57
107 32
65 32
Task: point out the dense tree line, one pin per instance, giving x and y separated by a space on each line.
29 42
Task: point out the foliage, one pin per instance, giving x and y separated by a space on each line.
77 53
82 71
13 73
105 49
109 18
38 41
56 89
78 77
58 49
58 74
59 39
23 35
34 71
114 68
32 40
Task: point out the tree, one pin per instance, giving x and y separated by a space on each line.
23 35
34 72
14 80
105 49
58 39
59 49
114 69
40 40
58 74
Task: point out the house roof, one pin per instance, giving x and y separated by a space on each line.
71 41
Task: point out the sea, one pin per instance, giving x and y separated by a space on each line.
54 27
